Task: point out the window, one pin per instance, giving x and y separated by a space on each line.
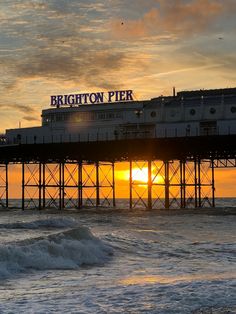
153 114
101 116
119 115
110 115
192 112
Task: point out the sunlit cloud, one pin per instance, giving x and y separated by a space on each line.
178 18
61 46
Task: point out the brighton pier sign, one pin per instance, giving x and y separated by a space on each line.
91 98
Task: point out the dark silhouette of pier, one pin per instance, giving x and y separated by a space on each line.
56 175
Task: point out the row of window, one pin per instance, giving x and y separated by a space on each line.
81 116
193 112
91 116
212 110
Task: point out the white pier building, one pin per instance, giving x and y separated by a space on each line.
187 114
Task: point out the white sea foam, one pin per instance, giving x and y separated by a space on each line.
65 250
63 222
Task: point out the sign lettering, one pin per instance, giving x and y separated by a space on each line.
92 98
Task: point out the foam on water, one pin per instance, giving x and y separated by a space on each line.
165 262
64 250
64 222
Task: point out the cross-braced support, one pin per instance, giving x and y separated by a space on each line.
4 185
98 184
52 185
42 185
172 184
153 184
140 184
206 183
31 185
197 183
70 185
67 185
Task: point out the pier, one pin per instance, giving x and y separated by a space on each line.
59 175
70 161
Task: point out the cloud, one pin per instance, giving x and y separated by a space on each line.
30 118
92 68
18 107
60 41
60 45
176 17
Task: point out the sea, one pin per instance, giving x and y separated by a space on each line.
118 260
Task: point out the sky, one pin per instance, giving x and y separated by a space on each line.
50 47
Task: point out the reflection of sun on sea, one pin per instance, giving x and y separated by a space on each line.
140 176
155 279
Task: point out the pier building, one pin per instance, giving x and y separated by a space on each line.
181 138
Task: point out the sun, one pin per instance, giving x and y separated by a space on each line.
140 176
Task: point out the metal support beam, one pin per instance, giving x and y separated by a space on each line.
196 183
152 184
43 185
199 183
80 185
7 186
62 185
213 182
182 184
167 185
4 185
97 185
23 187
130 185
40 186
149 184
113 185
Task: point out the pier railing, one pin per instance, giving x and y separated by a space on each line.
118 135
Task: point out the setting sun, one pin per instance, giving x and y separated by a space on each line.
140 175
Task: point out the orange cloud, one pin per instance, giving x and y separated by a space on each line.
174 17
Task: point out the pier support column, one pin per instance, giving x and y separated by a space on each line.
80 184
149 184
23 187
60 186
113 185
40 186
43 184
213 182
196 183
97 185
199 184
182 184
167 185
7 185
4 185
130 184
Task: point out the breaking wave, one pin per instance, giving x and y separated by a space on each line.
65 250
63 222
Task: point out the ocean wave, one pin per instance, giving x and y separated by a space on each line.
63 222
65 250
